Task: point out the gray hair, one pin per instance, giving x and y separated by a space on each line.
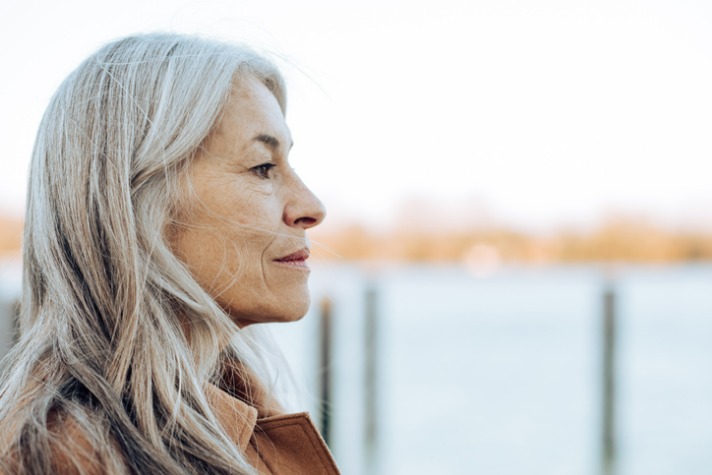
101 341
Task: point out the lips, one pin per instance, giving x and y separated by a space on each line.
297 258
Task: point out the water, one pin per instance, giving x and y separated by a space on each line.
501 374
488 367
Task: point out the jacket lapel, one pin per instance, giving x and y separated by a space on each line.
274 443
237 418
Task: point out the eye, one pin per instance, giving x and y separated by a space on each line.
262 170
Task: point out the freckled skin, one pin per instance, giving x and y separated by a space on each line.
244 215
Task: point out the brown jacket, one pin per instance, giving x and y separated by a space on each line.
281 444
274 443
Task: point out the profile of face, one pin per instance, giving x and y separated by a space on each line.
243 236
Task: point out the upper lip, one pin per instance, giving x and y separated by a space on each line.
300 255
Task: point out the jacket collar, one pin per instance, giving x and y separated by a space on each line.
242 384
239 401
236 417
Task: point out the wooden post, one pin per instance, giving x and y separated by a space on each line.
325 369
9 324
608 440
371 355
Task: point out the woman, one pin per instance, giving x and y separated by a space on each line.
163 221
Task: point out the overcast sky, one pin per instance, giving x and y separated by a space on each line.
531 113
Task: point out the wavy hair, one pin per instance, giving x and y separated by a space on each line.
103 345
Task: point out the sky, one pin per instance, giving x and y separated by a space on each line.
526 113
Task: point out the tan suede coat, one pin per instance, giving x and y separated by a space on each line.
274 443
277 444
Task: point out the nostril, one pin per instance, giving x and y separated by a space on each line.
306 221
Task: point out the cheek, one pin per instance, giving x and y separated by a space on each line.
241 209
223 246
224 235
202 251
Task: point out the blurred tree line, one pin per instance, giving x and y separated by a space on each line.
623 239
10 236
616 240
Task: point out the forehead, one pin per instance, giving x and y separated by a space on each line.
251 110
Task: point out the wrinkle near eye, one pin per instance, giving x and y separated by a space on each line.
263 188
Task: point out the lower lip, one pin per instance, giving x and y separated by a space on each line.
296 265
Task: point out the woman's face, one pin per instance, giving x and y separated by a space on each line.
243 236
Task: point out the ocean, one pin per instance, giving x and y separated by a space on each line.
500 372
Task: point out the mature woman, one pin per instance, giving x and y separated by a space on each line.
163 221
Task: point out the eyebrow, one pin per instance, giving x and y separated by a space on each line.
269 140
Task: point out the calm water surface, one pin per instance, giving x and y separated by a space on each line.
501 375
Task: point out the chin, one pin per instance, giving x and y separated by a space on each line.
293 312
290 318
245 321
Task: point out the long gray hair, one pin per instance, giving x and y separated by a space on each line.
107 306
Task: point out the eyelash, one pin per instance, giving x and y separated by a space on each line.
262 170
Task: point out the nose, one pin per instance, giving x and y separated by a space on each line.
303 209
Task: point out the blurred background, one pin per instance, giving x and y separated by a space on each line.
514 276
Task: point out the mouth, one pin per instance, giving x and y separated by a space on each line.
297 260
